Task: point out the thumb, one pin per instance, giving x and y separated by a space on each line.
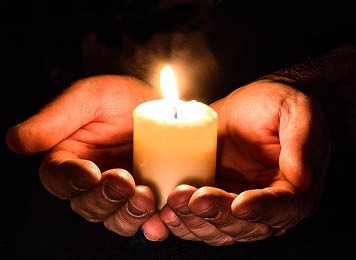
296 130
74 108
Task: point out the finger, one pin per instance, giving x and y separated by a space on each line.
74 108
128 219
178 201
78 105
214 205
278 208
173 221
114 189
154 229
175 225
64 175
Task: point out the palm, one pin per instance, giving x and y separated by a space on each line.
105 138
250 130
270 136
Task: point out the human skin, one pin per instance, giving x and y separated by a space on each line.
273 151
266 181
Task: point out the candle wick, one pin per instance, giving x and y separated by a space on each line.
175 112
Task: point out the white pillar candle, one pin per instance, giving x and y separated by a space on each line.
174 143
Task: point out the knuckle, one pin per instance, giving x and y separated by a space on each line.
88 213
120 226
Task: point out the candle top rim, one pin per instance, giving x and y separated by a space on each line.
189 112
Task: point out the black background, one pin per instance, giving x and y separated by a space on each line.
42 52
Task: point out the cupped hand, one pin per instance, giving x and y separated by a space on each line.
273 153
86 134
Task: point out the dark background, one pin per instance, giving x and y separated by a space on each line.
45 45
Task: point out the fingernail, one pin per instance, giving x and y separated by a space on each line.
80 185
111 192
153 240
209 212
183 211
134 211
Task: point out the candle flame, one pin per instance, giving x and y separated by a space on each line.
168 84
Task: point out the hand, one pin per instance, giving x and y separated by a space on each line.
87 132
273 152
